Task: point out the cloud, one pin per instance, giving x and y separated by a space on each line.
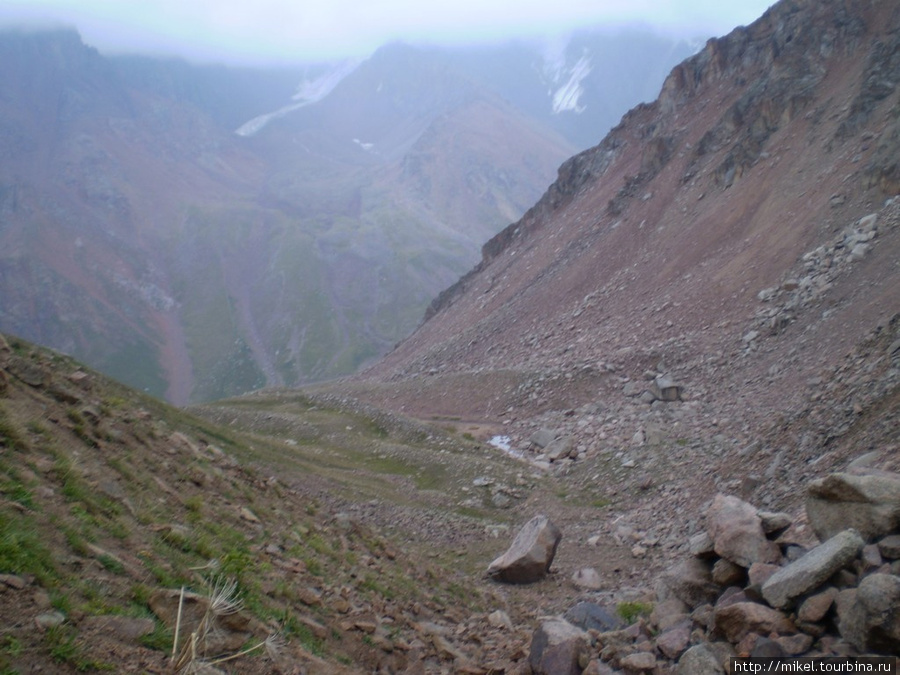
273 30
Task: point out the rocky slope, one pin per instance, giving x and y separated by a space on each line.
736 236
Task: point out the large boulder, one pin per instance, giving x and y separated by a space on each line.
868 503
559 648
737 532
869 616
809 572
529 557
699 660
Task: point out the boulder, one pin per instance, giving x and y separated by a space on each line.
639 661
868 503
736 620
558 449
591 616
530 555
869 616
813 569
675 640
542 438
890 547
737 532
559 648
667 389
701 545
699 660
815 607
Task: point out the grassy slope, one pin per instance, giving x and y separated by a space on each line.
109 497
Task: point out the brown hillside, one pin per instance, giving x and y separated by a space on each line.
716 237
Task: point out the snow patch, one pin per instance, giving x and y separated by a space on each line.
501 443
308 92
564 81
567 96
364 146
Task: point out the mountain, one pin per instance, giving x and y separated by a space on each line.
200 231
733 242
685 356
142 234
581 83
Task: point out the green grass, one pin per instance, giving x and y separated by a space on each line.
11 435
22 551
63 647
630 612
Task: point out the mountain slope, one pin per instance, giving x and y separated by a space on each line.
719 237
332 535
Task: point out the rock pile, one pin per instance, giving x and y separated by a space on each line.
760 584
820 269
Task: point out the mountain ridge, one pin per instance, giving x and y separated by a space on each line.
131 200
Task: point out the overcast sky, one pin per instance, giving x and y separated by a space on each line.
265 31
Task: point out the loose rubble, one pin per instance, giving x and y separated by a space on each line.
749 589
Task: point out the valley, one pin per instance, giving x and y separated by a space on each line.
690 342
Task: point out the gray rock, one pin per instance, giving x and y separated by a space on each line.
543 437
559 648
766 648
591 616
737 533
633 388
28 372
530 555
500 619
870 504
699 660
13 581
890 547
869 616
810 571
558 449
49 620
